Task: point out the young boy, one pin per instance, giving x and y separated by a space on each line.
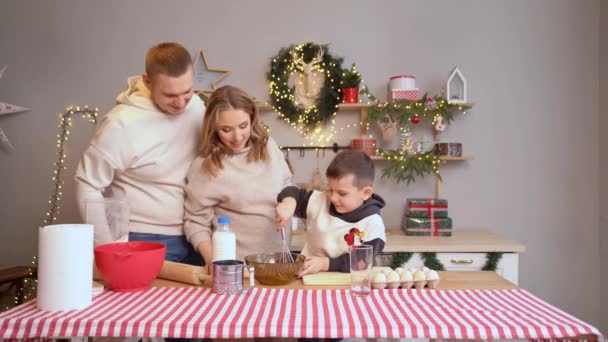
348 214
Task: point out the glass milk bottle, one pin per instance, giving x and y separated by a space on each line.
223 241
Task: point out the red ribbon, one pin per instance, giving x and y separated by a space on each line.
429 206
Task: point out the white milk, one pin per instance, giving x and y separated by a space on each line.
223 241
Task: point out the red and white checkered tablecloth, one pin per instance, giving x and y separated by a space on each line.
266 312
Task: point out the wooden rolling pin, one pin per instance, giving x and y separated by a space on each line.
185 273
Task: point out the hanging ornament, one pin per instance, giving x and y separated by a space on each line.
439 127
415 119
430 103
388 127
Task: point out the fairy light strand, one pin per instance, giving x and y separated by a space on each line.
65 122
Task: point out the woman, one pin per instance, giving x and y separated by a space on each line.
238 173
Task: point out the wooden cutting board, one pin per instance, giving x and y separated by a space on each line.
333 278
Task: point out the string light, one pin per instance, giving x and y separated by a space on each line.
65 122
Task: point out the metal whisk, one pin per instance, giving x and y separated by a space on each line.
285 256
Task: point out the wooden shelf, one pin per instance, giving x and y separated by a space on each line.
361 108
266 107
447 158
263 106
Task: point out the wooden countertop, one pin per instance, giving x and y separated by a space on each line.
462 240
450 280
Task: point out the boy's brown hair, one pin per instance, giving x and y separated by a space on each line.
351 162
171 59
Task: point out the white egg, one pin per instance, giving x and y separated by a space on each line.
379 278
419 275
413 270
407 276
432 275
386 271
399 270
425 269
393 277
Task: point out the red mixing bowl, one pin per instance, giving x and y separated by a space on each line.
129 266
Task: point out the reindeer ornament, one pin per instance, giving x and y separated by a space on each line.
308 79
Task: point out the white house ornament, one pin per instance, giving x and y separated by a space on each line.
456 87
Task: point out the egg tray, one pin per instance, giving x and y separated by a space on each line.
418 285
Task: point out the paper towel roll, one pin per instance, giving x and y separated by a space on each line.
65 266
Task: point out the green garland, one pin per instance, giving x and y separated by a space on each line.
431 261
492 260
400 258
401 165
404 167
282 96
403 111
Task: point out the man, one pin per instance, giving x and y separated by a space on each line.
143 148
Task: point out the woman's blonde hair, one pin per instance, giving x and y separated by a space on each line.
211 148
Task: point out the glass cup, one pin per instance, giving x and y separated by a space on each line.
361 263
110 220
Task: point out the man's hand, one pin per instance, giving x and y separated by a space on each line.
284 211
314 264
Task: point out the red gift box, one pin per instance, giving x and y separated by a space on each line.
403 94
365 145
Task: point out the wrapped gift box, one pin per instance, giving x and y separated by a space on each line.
427 232
428 226
403 94
427 208
365 145
436 223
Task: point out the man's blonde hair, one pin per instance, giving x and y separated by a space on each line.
168 58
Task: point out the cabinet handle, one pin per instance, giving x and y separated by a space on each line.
461 261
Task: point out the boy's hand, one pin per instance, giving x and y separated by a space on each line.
284 211
314 264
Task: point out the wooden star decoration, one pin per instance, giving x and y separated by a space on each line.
204 80
7 108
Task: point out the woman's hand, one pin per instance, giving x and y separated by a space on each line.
314 264
205 249
284 211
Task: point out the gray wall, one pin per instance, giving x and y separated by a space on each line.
532 68
603 158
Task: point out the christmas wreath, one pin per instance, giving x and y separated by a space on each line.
305 85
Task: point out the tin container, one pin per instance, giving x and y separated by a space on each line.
448 149
228 276
402 82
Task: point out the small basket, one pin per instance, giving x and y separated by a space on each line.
365 145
